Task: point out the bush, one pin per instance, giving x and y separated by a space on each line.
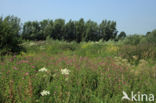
151 37
136 52
133 39
9 35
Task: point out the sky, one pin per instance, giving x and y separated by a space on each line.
131 16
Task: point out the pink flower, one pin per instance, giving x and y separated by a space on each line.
33 66
15 68
26 74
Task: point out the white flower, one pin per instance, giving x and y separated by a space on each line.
43 69
65 71
44 93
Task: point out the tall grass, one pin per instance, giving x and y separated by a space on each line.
96 74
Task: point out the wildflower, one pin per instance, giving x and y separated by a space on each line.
15 68
33 66
43 69
26 74
44 93
65 71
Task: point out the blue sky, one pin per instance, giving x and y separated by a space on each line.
132 16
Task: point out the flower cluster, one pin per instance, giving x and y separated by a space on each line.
44 93
43 69
65 71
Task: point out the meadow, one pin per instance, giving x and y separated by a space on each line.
54 71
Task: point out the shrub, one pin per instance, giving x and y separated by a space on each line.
136 52
9 35
151 37
133 39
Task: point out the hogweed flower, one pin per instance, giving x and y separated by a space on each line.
65 71
43 70
44 93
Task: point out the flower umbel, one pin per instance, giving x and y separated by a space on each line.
65 71
44 93
43 69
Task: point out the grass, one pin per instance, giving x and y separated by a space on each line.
97 74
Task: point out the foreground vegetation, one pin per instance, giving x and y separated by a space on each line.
85 68
54 71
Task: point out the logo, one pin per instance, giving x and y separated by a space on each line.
138 97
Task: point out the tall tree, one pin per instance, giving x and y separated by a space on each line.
122 35
9 35
91 31
48 31
70 32
58 29
80 29
42 33
31 30
151 37
107 30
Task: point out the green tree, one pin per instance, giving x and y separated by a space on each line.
133 39
151 37
148 33
122 35
91 31
80 30
70 34
9 35
58 29
46 28
107 30
31 30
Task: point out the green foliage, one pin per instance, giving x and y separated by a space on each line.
71 31
107 30
122 35
133 39
88 78
91 31
80 30
58 29
151 37
139 51
31 30
45 29
57 71
9 35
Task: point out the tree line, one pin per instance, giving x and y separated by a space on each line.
12 32
71 31
58 29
